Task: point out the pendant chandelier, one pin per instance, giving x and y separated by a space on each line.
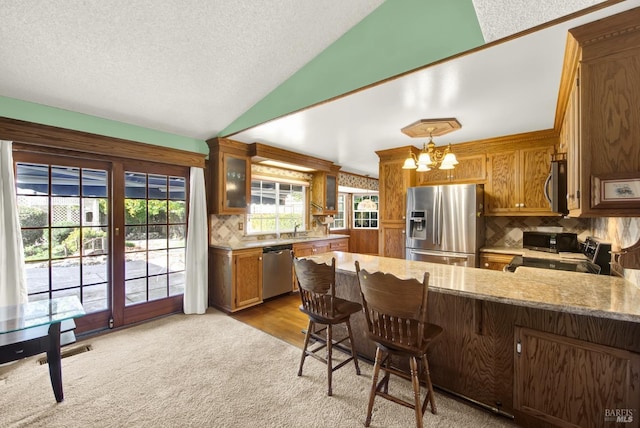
430 157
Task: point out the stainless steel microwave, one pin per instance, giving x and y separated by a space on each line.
551 242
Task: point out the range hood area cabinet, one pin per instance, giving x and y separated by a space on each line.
517 179
324 192
601 126
228 177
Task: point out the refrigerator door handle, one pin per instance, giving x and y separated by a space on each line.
455 256
440 209
434 221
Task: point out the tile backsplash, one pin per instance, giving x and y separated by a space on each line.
622 233
507 231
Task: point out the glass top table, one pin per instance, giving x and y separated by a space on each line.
22 333
38 313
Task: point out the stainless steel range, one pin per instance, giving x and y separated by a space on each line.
597 255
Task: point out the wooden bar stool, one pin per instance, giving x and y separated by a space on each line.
396 313
316 282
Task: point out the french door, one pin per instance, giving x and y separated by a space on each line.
111 233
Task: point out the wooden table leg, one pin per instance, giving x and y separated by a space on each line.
55 361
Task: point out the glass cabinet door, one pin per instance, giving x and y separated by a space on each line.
331 193
234 184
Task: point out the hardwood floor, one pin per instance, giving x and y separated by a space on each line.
280 317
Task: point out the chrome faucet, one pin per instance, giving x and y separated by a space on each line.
295 229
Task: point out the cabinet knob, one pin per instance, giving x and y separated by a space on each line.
486 265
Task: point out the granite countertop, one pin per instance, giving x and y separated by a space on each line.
578 293
525 252
260 243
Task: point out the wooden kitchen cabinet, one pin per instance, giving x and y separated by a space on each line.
228 177
324 193
235 278
470 169
570 143
393 184
576 381
516 182
495 261
322 246
602 118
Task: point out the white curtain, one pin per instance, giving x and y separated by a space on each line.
13 288
195 287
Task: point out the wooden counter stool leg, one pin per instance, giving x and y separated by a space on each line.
374 385
310 327
415 382
430 395
329 358
353 349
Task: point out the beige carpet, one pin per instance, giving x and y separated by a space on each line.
203 371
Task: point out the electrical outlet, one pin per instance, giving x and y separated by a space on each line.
240 226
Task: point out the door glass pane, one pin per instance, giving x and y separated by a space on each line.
157 211
176 260
177 212
135 291
65 211
177 236
135 211
158 287
135 238
135 265
157 237
37 276
94 270
32 179
64 222
95 212
35 244
94 183
65 242
135 185
95 297
176 283
157 262
94 241
65 274
65 181
177 189
158 187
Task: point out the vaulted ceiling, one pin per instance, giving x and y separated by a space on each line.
300 75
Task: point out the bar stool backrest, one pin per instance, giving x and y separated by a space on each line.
316 282
395 309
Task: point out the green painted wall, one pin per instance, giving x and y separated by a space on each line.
38 113
373 50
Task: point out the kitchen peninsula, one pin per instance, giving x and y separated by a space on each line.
550 348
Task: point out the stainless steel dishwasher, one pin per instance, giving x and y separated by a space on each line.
277 274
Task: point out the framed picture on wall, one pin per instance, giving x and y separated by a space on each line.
616 191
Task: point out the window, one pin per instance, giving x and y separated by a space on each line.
275 207
339 218
365 211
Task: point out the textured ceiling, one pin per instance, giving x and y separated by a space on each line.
231 65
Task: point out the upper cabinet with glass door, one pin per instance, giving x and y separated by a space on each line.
324 192
228 176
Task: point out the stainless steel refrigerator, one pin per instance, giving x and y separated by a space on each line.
445 224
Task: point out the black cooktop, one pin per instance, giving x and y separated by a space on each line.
566 265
